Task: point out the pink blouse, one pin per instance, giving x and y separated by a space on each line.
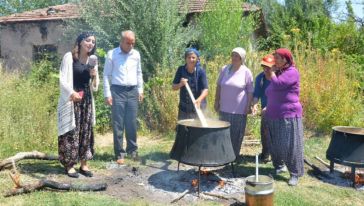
235 87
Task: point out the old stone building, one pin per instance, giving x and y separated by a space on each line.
28 36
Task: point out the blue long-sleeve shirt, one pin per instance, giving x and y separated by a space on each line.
261 83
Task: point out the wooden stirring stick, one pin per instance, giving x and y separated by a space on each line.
198 110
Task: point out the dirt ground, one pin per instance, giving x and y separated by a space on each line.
160 182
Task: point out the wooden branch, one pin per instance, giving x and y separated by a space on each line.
251 142
180 197
316 170
55 185
323 162
221 196
26 155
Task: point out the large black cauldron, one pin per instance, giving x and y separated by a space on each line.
346 148
203 146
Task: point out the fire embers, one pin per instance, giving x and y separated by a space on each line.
221 183
359 178
194 183
205 172
211 179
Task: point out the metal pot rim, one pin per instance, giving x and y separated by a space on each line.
349 130
212 123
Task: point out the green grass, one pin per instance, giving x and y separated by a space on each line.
310 190
62 198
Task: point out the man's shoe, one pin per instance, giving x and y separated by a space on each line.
86 173
120 161
281 169
293 181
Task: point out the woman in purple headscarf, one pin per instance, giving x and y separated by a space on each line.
195 76
284 116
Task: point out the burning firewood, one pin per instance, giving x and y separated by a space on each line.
359 178
194 183
221 183
205 172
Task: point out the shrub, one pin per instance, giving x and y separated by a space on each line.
160 107
224 27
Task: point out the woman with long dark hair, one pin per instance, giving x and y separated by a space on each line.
76 107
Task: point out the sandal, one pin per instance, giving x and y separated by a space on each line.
72 174
86 173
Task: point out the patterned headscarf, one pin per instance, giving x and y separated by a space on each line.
82 37
192 50
198 64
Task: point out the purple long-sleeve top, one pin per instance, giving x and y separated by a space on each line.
283 95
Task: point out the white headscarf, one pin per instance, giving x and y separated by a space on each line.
241 52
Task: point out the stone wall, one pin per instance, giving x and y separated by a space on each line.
19 40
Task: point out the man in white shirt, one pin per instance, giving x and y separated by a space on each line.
123 90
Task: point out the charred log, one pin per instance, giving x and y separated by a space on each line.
56 186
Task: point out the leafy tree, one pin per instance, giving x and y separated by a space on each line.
161 39
224 27
309 22
349 8
310 17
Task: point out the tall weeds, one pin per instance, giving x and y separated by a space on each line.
28 117
329 90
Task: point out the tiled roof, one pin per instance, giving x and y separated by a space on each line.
65 11
197 6
71 11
